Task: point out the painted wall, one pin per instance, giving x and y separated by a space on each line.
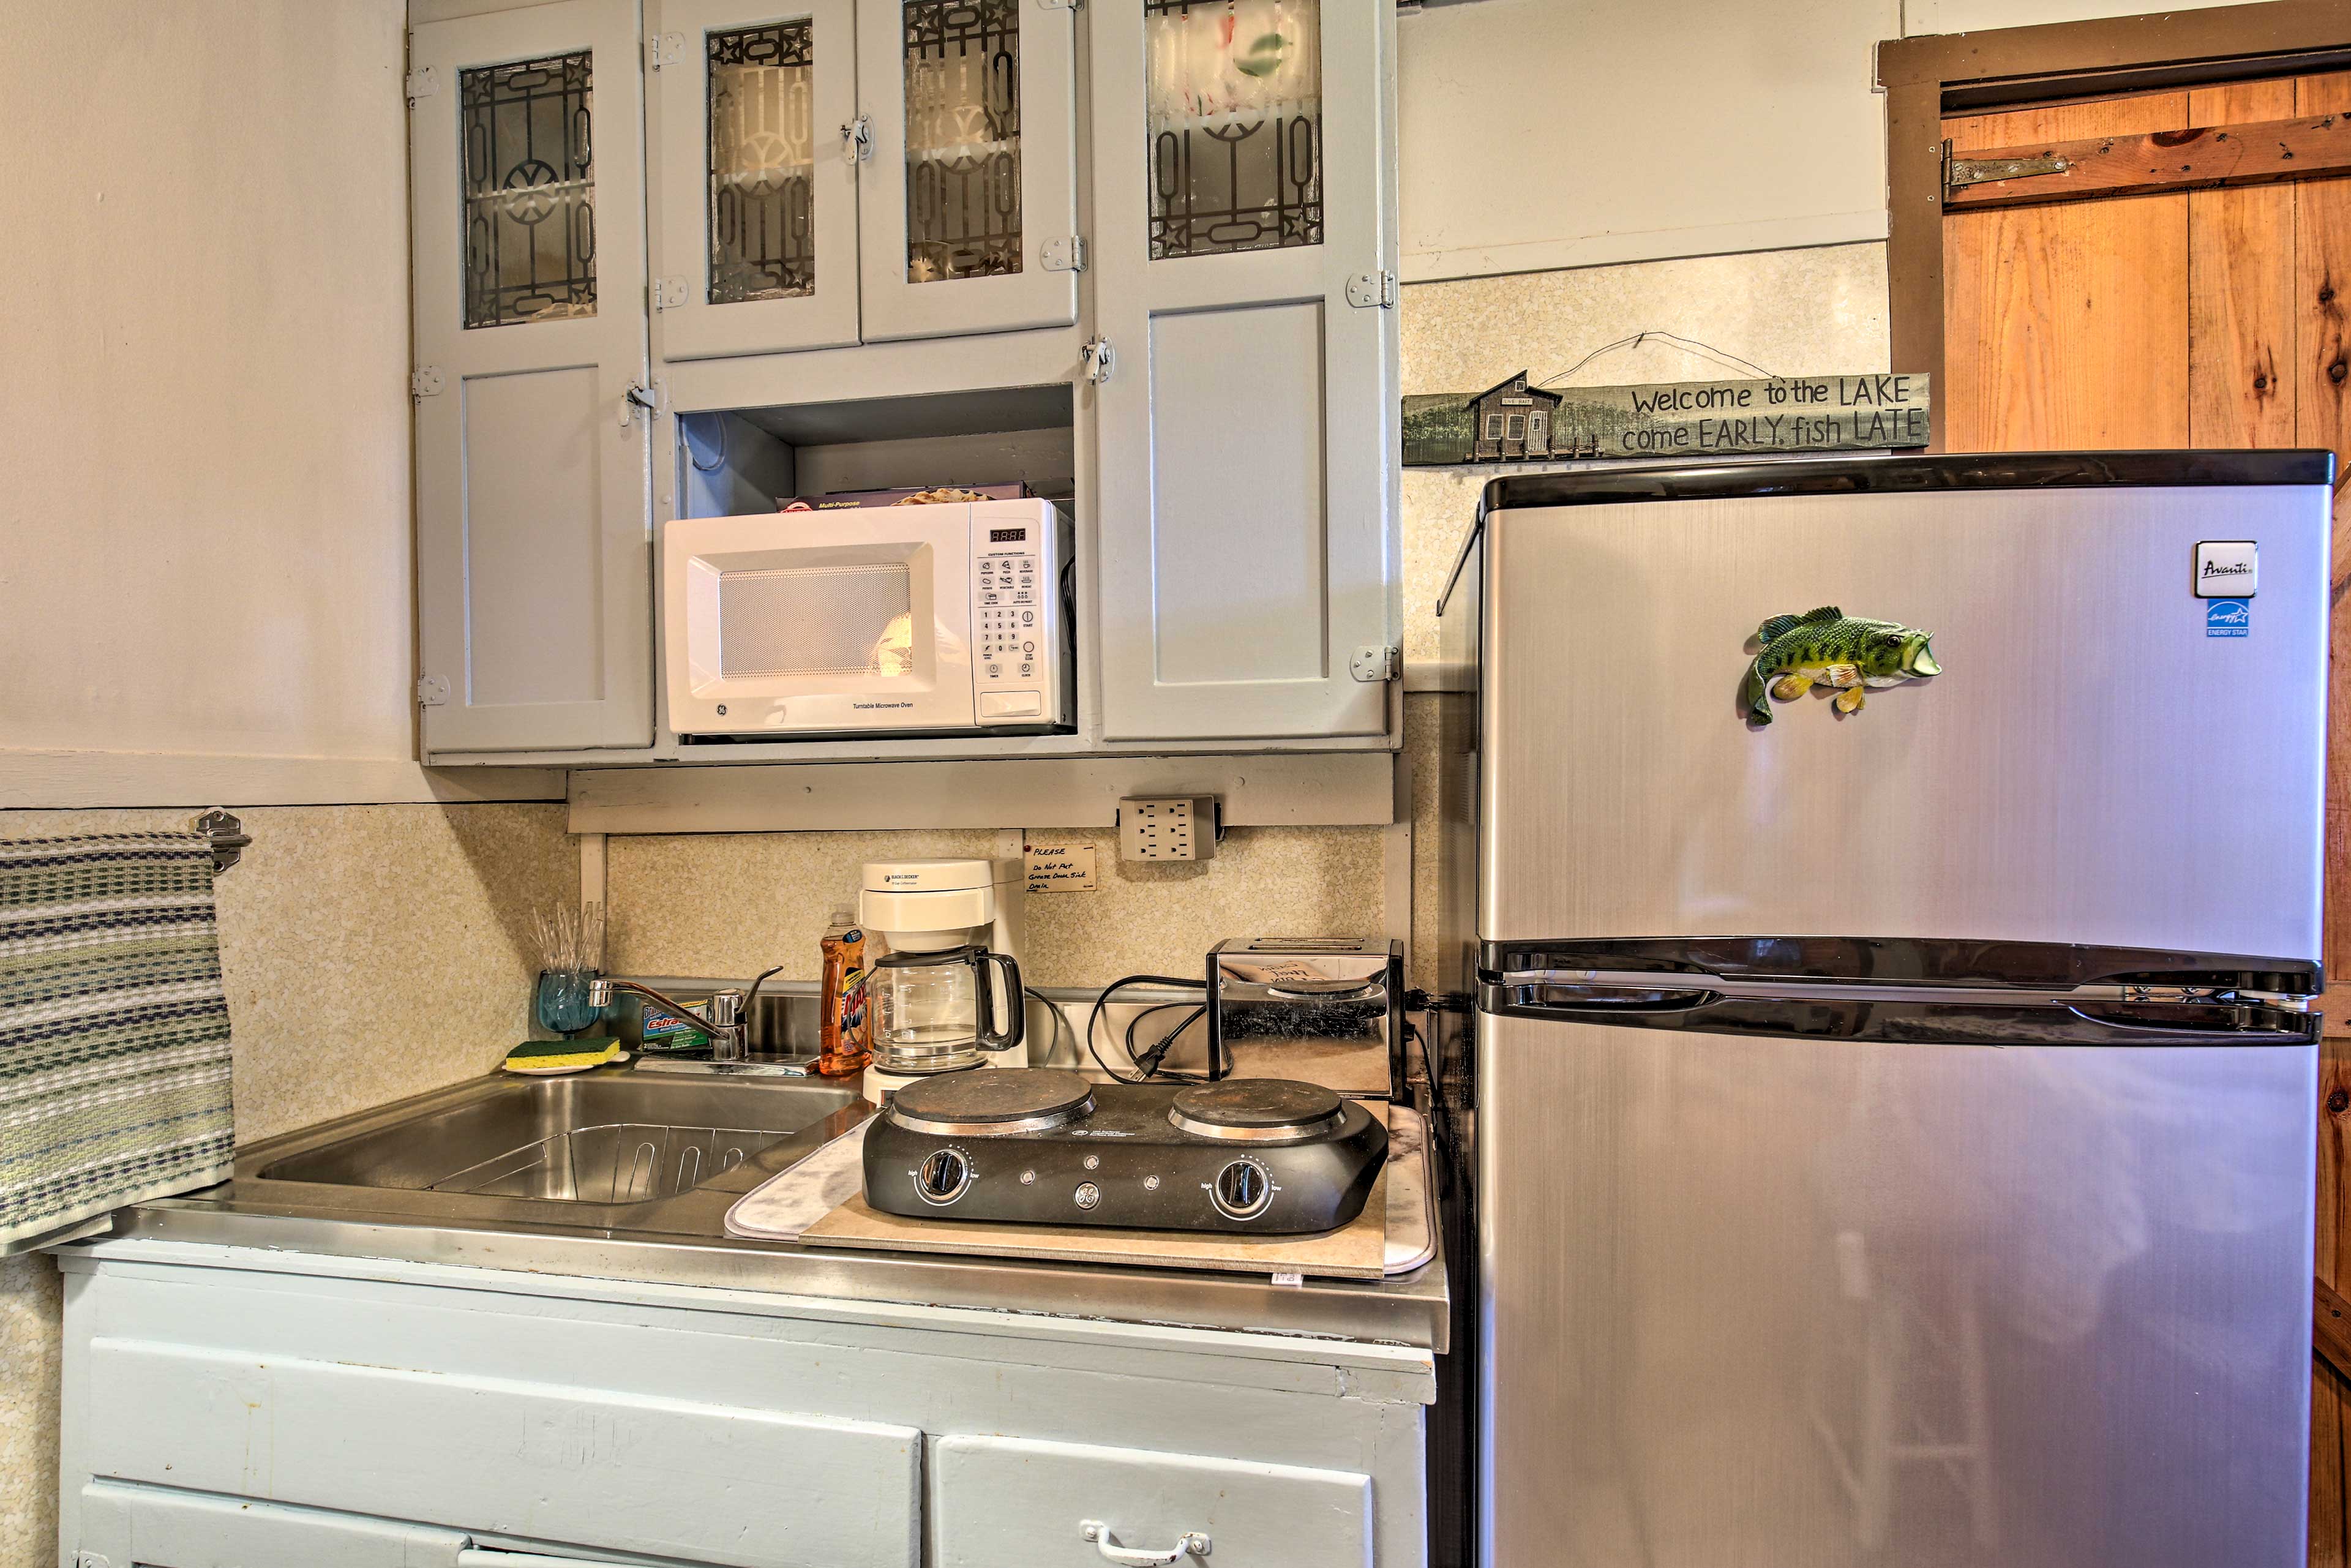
1548 133
330 928
206 480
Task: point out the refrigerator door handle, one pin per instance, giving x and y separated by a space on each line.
1699 983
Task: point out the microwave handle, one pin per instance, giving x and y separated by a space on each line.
1016 1023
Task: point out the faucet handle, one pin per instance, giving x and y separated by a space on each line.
600 992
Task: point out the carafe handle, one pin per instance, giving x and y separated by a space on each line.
1015 1026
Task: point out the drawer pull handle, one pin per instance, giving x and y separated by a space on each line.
1191 1543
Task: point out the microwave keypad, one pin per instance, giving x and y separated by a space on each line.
1007 617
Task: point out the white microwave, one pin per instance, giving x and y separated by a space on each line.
918 620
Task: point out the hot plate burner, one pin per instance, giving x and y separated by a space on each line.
1256 1110
1004 1100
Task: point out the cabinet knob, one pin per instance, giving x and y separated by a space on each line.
1191 1543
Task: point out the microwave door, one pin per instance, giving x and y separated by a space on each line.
768 631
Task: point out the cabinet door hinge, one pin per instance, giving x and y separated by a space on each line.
664 50
1066 255
669 293
1060 5
432 691
1372 291
426 381
1372 665
1099 359
423 83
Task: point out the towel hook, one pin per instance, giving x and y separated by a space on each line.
227 835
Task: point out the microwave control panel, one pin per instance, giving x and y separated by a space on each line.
1016 617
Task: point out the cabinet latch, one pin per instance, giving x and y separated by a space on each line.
1372 291
432 691
664 50
857 139
669 293
1060 5
1372 665
639 399
1066 255
423 83
1100 362
426 381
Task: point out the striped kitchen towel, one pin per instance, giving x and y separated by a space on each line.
114 1067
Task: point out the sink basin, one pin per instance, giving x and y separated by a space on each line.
612 1139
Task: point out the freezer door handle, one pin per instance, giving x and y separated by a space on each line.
1593 981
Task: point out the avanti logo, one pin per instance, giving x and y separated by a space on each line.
2227 617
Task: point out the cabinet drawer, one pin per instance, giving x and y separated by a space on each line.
997 1500
711 1483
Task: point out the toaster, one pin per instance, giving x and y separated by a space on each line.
1323 1010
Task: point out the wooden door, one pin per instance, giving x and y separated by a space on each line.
2203 318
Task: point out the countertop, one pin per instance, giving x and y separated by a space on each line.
682 1242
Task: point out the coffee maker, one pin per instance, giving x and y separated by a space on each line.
943 968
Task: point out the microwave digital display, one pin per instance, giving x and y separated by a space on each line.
1006 535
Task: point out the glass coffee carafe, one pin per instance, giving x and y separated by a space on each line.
938 1012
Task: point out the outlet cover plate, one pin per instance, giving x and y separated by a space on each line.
1167 828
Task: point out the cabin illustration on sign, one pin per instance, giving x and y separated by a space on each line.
1513 420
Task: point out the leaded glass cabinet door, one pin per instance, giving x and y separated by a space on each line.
1243 161
754 186
534 565
968 197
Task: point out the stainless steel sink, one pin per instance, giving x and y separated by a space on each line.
610 1147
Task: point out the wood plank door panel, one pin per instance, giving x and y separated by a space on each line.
2066 323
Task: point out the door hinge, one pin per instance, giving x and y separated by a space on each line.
664 50
1963 171
857 139
432 691
423 83
426 381
669 293
1099 358
1372 291
1068 255
1374 665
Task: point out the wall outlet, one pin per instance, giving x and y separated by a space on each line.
1167 828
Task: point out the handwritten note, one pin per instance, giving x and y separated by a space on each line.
1062 868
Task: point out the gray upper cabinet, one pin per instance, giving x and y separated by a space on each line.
754 182
832 172
1243 202
970 211
533 562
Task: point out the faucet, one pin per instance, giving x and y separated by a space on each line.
727 1020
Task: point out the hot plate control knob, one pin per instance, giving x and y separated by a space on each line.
1241 1190
944 1176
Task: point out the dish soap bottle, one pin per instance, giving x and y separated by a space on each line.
846 1047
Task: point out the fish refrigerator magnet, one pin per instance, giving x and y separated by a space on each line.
1827 647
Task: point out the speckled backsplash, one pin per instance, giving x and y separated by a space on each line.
734 904
369 953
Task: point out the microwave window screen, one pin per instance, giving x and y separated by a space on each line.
816 620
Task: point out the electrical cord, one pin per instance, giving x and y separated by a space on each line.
1060 1024
1094 1019
1149 1058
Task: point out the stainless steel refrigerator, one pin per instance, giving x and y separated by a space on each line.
1895 1131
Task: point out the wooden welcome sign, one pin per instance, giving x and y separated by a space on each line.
1518 422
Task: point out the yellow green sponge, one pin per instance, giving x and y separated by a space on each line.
539 1055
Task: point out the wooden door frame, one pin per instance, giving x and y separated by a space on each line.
1927 77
